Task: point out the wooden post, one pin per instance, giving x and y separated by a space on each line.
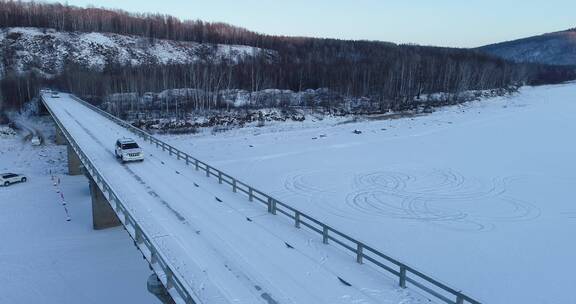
153 257
138 237
297 219
271 205
459 299
169 278
403 276
325 234
359 253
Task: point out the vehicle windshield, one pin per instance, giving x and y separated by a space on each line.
130 146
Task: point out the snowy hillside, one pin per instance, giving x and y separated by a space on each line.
46 51
554 48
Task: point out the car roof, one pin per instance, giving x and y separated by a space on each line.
4 174
126 140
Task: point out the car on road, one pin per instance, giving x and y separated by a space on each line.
55 94
128 149
7 179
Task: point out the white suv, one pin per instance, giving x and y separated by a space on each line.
128 150
10 178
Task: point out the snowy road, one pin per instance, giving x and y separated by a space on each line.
227 249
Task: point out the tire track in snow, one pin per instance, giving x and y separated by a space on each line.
311 243
149 189
238 273
441 197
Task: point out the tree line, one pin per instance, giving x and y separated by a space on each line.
393 75
155 26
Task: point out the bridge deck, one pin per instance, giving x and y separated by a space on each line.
227 249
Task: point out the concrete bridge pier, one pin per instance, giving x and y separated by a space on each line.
74 163
60 139
103 215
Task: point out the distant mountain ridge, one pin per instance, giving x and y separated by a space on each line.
46 52
557 48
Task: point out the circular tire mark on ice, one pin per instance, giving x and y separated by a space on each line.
441 197
313 185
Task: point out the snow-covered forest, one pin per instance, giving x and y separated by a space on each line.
390 75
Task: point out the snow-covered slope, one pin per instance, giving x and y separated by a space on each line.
557 48
46 51
45 258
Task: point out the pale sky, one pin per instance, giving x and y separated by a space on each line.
455 23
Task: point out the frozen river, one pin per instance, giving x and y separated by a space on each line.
480 196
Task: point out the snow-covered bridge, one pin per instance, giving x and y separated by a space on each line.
210 240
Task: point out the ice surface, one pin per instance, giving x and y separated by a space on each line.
479 195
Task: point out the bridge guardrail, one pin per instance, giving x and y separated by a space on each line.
407 276
166 272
